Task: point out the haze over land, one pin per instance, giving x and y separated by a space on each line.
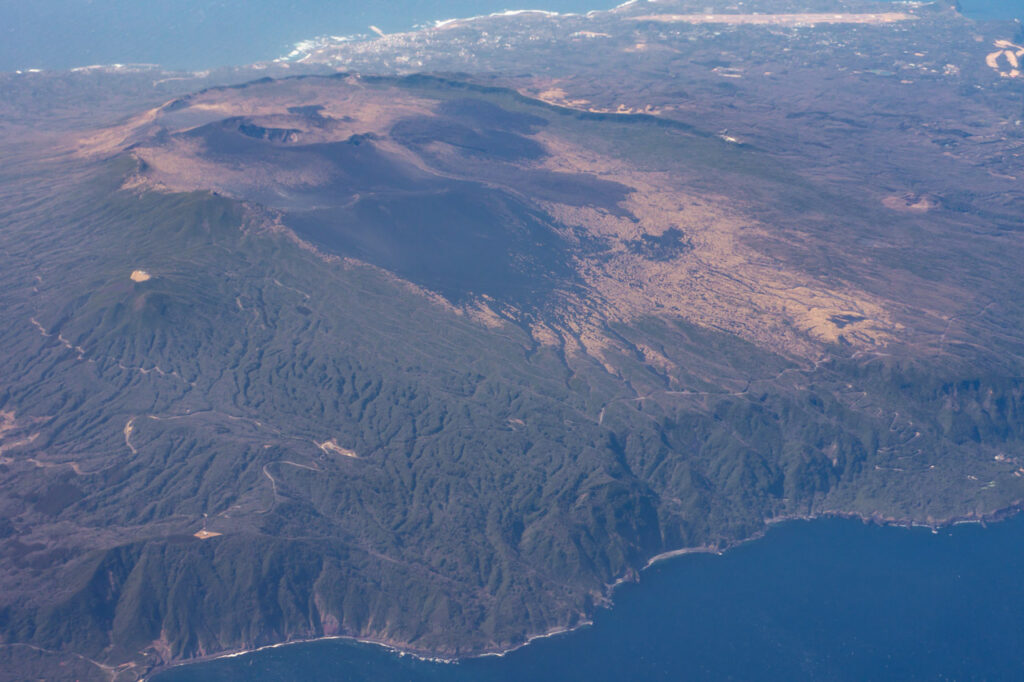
197 34
194 34
432 339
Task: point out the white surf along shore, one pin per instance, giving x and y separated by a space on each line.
304 48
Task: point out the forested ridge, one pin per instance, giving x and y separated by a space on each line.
372 458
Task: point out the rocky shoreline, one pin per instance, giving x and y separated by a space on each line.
403 649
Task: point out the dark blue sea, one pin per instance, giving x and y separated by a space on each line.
822 600
200 34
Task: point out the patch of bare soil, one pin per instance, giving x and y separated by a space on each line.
206 534
331 447
910 203
717 281
720 282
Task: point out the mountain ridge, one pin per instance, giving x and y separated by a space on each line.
313 404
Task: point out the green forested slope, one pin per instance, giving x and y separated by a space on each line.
379 463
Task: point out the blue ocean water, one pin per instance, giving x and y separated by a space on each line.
198 34
993 9
823 600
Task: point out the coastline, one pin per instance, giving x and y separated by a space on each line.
400 649
394 648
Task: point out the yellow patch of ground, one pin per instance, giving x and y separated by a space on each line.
7 421
206 534
554 94
560 97
140 276
484 314
829 325
179 165
350 107
721 282
13 434
911 203
331 446
1008 52
112 140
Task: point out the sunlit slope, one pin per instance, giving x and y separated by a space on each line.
434 365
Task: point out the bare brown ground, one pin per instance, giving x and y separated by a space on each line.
1011 54
128 428
7 422
206 534
331 447
14 433
552 94
910 203
722 283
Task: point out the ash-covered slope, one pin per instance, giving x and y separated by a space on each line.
434 364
